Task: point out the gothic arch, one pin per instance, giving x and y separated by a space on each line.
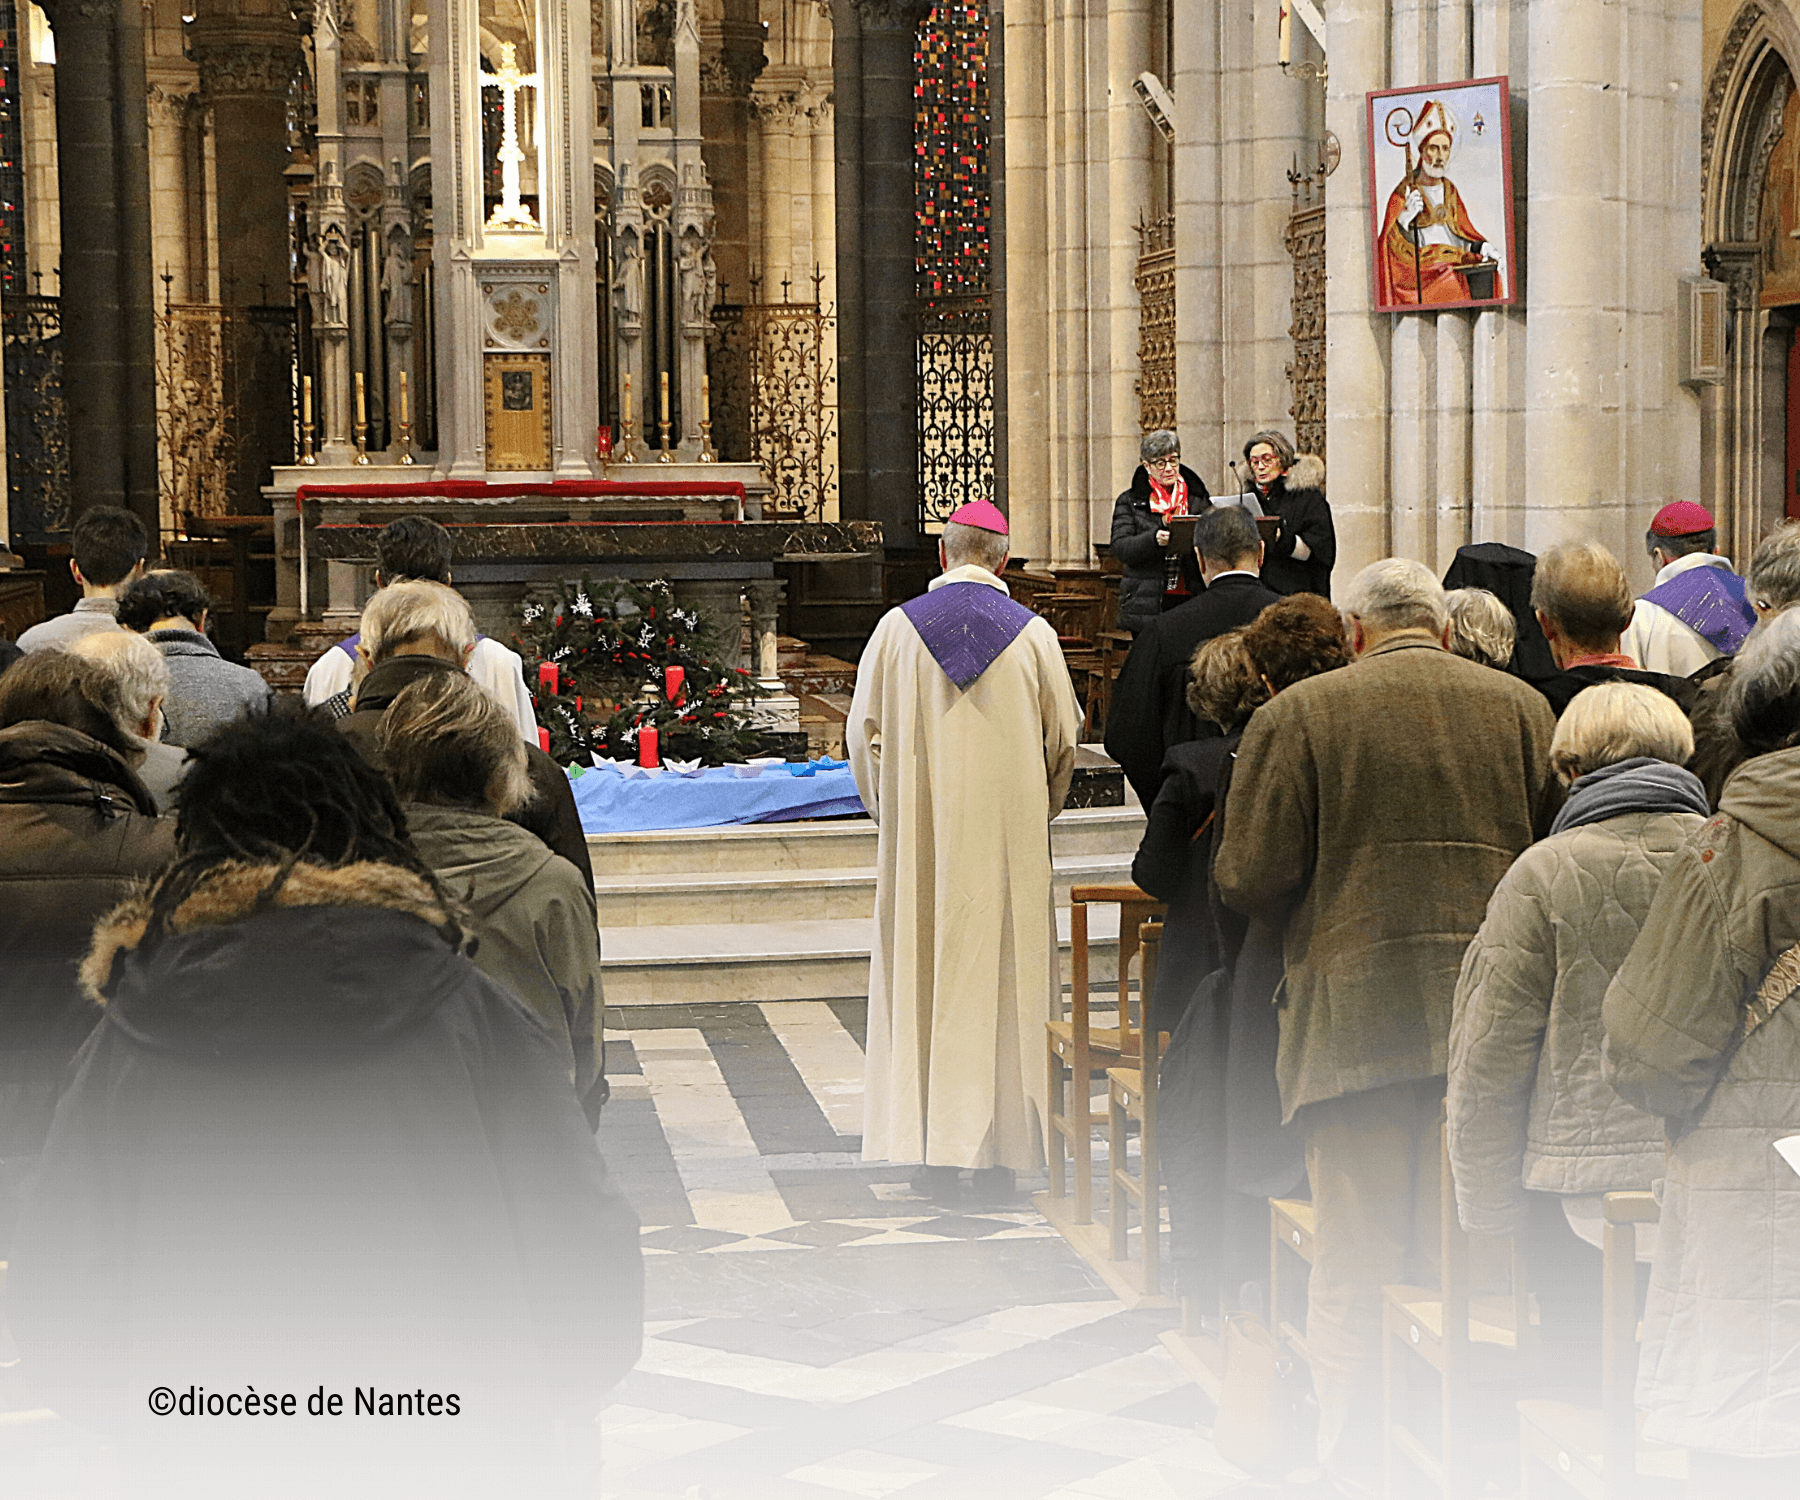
1740 127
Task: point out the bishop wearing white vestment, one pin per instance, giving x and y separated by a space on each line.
962 738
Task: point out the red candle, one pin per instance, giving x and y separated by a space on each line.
646 743
673 679
543 739
548 675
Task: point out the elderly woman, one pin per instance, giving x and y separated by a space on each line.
1482 629
170 609
77 830
1218 972
1292 489
1536 1136
143 678
1162 488
456 760
1701 1030
309 1138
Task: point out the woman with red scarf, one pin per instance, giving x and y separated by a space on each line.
1163 489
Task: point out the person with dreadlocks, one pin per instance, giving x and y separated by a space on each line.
311 1147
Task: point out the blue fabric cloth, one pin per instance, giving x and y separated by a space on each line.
965 627
611 803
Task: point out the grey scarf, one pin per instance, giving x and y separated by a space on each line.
1640 784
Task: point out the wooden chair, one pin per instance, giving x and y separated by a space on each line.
1075 1049
1131 1095
1598 1453
1111 648
1467 1346
1290 1264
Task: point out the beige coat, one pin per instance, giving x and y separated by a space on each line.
1375 808
1718 1369
963 783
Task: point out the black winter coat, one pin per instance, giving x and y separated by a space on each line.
551 814
312 1145
77 829
1150 715
1134 528
1305 514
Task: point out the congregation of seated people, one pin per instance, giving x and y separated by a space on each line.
1447 873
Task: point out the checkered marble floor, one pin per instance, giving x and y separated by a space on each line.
817 1330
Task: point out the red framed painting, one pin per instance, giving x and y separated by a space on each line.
1441 196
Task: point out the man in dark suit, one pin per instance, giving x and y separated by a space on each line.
1149 706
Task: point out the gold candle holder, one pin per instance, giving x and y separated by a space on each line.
362 422
405 423
707 455
306 421
663 425
627 427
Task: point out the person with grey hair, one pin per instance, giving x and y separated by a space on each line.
1291 487
1536 1136
961 737
1482 629
1583 604
413 629
1702 1029
1372 812
1150 710
143 678
458 767
1162 489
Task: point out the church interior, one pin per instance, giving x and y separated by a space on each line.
751 296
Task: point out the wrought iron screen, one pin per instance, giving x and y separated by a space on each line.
956 406
212 443
1156 323
37 420
774 401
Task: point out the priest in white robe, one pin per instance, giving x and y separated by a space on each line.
962 738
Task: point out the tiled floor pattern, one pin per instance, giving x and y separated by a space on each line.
815 1330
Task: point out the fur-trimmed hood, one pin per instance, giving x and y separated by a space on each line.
338 956
1307 473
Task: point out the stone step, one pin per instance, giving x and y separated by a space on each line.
745 963
796 895
771 848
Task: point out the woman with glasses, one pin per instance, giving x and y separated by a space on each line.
1162 489
1300 554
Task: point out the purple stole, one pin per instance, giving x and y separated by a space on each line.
348 646
965 627
1710 602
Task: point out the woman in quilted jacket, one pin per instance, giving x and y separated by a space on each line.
1701 1030
1536 1134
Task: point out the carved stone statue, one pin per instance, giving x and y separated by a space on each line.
396 278
628 285
328 277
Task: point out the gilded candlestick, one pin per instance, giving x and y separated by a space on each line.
707 455
663 425
362 422
306 421
405 424
628 427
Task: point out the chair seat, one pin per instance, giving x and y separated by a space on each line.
1126 1083
1490 1318
1101 1039
1292 1222
1578 1436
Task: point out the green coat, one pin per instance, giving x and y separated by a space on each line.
1718 1369
533 917
1375 809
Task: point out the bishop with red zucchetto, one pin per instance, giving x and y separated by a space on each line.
962 737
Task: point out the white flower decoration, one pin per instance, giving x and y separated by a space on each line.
533 612
646 637
584 606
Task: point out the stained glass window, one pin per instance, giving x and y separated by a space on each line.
950 143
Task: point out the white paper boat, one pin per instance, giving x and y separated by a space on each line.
686 767
747 770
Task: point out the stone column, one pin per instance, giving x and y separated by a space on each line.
777 109
780 708
1026 288
731 59
889 333
846 70
103 186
